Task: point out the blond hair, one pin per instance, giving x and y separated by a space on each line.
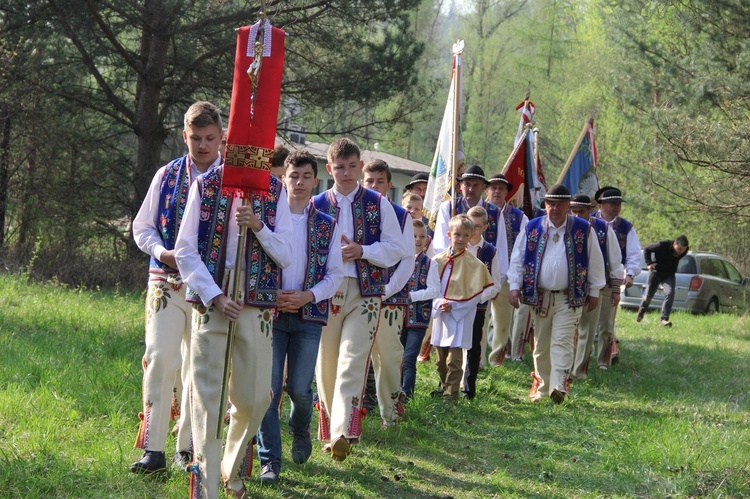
461 222
478 212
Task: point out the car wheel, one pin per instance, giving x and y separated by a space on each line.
713 306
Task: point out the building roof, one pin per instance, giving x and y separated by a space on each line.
397 163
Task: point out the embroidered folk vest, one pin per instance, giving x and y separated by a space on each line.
601 229
493 213
513 218
576 249
418 313
622 228
402 297
486 254
175 186
366 216
320 228
262 278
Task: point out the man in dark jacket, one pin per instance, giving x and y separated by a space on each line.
662 259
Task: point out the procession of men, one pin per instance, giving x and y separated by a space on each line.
261 284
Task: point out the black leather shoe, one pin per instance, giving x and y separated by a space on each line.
151 462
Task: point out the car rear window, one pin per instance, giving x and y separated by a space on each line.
687 265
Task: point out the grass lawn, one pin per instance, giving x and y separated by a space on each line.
670 420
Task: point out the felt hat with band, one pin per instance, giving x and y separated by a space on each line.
473 172
417 179
500 178
557 192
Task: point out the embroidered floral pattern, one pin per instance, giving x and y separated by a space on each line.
266 321
157 298
371 308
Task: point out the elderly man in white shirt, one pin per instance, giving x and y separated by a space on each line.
557 268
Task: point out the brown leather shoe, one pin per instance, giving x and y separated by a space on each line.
340 448
236 494
557 396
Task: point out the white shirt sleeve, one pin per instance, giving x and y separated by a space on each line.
433 285
330 283
278 242
497 280
192 269
596 276
633 253
614 255
405 267
440 240
515 267
392 245
145 225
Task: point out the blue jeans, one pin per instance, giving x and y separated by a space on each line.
295 341
411 339
667 283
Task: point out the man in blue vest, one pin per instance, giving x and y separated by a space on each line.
168 315
472 185
610 203
581 206
557 269
302 305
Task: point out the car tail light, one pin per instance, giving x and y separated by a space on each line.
696 283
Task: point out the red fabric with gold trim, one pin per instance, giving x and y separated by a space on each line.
252 132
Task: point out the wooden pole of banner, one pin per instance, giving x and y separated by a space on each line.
234 285
458 48
589 122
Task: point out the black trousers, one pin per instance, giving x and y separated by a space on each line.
474 356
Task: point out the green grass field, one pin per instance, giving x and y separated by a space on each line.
671 420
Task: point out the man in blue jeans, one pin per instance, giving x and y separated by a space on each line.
302 306
662 259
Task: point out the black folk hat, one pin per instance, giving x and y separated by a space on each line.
598 193
417 179
473 172
611 195
557 192
581 200
498 178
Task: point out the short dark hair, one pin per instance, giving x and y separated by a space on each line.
378 165
301 158
682 240
279 156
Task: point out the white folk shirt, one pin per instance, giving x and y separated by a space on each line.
498 270
277 243
616 270
453 329
146 223
391 247
553 272
441 242
524 221
432 290
293 276
632 250
405 269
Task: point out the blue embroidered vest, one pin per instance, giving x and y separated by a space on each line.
601 228
493 213
366 217
622 228
175 186
513 218
262 279
575 241
402 297
486 254
418 313
320 228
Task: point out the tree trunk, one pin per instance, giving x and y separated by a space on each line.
4 169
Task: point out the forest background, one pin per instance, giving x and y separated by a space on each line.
92 94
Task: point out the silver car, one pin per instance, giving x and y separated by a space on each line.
705 283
